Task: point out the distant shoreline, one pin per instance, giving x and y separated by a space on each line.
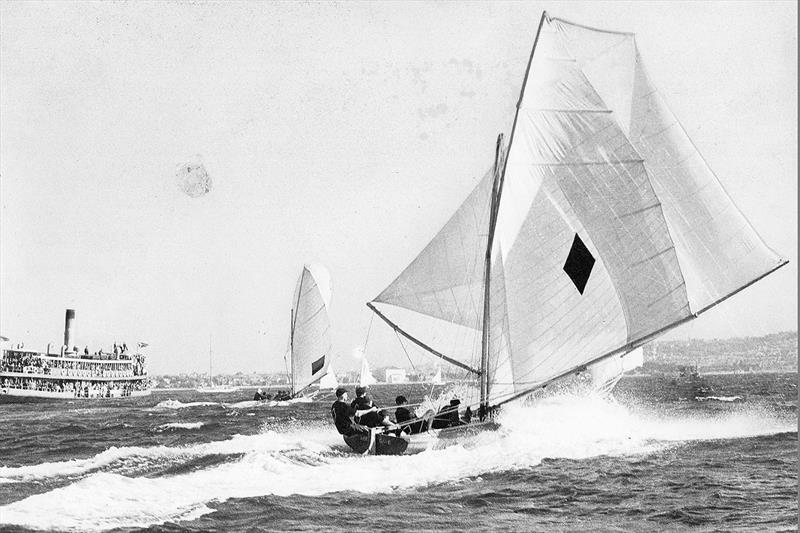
634 376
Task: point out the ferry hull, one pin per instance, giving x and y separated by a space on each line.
8 395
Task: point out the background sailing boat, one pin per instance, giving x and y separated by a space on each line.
309 337
211 388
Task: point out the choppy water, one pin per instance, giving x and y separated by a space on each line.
649 459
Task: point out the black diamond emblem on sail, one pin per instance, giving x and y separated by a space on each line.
579 264
317 365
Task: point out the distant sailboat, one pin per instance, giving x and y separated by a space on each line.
309 336
329 380
211 388
366 378
437 379
598 229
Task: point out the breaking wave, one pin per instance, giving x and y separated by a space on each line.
117 487
175 404
180 425
718 398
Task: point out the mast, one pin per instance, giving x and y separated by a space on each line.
487 275
291 351
497 191
296 303
210 373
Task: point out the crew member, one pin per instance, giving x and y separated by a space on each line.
366 411
403 414
341 412
448 416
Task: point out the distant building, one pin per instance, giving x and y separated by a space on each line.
396 375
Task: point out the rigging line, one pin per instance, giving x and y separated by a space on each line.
369 328
403 346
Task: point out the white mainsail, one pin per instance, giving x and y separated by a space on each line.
610 227
366 378
310 342
329 380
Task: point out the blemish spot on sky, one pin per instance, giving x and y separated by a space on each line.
193 179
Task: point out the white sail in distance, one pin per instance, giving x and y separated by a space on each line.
329 381
366 378
611 228
310 340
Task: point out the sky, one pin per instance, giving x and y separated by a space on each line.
344 134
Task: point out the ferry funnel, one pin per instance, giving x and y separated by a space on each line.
69 329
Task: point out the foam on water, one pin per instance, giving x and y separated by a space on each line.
307 461
180 425
718 398
246 404
175 404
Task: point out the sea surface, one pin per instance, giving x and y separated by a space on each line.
652 457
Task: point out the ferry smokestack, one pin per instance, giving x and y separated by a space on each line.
69 329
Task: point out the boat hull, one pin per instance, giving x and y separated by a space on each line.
10 395
376 443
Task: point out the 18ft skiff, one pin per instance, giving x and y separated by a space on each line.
599 228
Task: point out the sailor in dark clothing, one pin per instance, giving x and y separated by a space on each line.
402 414
341 412
282 396
366 412
448 416
259 395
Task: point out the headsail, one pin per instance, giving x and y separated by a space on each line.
611 229
310 342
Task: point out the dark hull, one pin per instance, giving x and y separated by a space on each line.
388 444
377 444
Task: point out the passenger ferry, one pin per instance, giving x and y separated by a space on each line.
27 375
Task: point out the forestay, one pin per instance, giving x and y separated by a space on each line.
611 228
310 342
